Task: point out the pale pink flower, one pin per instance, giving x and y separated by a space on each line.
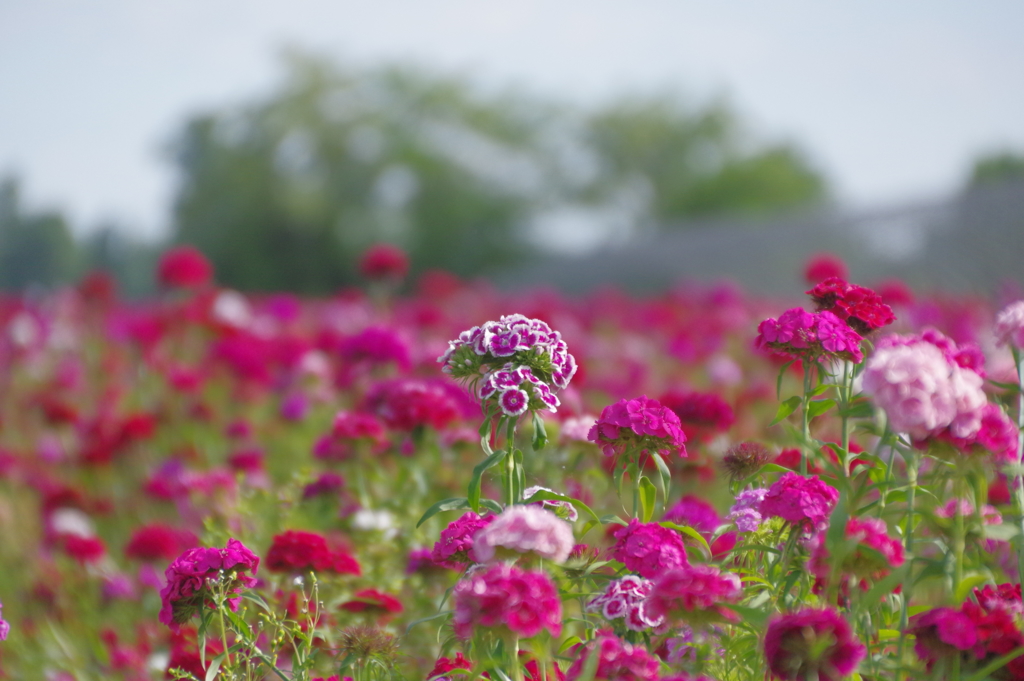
1010 325
524 530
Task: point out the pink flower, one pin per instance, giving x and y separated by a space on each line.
695 594
187 577
702 415
649 549
507 598
811 644
384 261
515 363
524 530
455 548
861 308
626 598
799 334
927 386
804 502
942 633
184 267
1010 325
821 266
616 661
638 424
696 513
872 533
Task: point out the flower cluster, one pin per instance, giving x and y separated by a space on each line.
806 503
701 415
883 552
746 512
187 579
516 363
1010 325
638 425
811 644
507 599
649 549
744 459
626 598
616 661
455 548
695 594
799 334
295 551
977 633
931 388
861 308
524 530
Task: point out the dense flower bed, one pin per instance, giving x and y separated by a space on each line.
457 483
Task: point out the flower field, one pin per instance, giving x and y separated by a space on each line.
460 483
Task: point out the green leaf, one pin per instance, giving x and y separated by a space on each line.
648 498
786 408
689 532
545 495
439 615
665 474
966 585
492 505
452 504
819 407
995 665
778 381
859 409
885 586
569 643
757 618
540 433
612 518
478 471
214 669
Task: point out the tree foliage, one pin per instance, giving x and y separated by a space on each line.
36 248
285 192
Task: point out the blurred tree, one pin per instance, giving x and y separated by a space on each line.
285 193
997 167
36 249
697 162
288 192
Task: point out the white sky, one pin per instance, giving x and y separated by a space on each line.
892 99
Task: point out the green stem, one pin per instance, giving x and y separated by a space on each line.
1018 482
959 538
224 635
805 452
517 669
845 394
513 495
634 472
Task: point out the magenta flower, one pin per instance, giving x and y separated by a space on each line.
942 633
187 578
649 549
455 548
804 502
617 661
639 424
811 644
524 530
5 627
861 308
799 334
695 594
508 599
886 552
